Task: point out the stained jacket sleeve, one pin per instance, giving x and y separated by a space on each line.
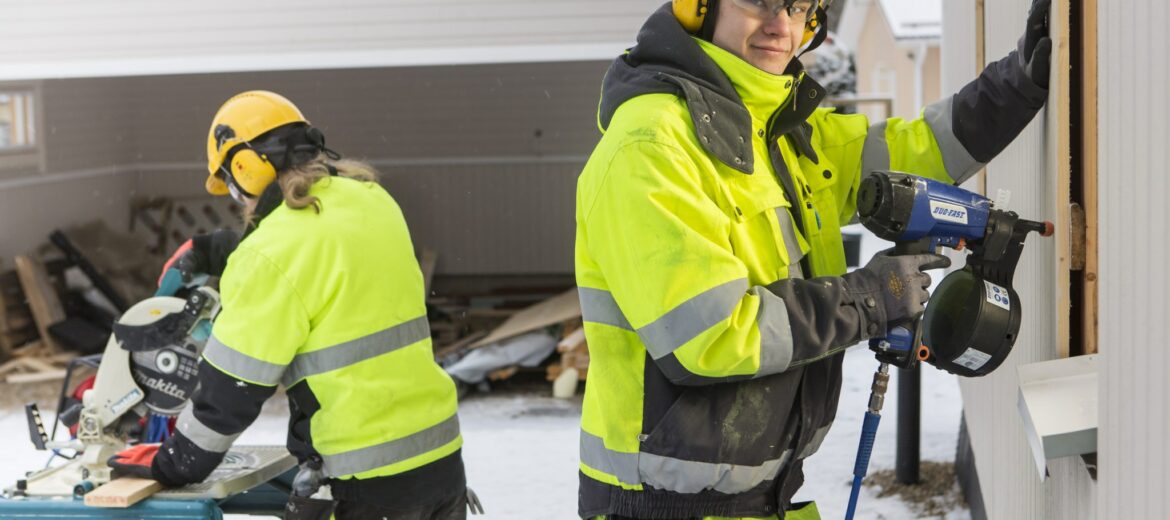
674 280
957 136
254 339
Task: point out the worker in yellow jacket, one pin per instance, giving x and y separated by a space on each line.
322 295
709 256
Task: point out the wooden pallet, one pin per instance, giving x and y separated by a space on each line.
32 363
17 327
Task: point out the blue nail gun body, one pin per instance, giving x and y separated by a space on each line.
919 215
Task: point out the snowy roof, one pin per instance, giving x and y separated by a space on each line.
914 19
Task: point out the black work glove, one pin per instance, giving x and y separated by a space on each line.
1035 49
903 283
208 254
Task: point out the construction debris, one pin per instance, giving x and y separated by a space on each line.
16 323
482 338
936 494
501 360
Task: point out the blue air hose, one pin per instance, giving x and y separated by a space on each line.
869 426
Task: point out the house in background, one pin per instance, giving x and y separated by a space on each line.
896 48
479 116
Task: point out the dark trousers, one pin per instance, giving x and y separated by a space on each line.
454 508
436 491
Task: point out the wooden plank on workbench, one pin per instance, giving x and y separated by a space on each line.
123 492
42 299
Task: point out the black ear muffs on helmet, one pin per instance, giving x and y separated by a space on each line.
698 18
252 166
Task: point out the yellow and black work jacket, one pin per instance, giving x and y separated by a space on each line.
328 304
709 261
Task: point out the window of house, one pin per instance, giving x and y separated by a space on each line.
18 131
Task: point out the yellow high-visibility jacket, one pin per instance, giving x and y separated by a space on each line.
709 261
330 305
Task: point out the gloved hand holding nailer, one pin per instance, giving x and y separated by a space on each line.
901 282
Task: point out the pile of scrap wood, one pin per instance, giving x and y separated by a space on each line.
476 343
63 300
28 307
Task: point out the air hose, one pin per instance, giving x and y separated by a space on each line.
869 426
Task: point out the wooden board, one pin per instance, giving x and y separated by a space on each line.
552 311
1089 167
980 63
460 344
55 374
16 323
427 261
123 492
42 299
1059 157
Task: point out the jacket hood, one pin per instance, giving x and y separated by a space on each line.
667 60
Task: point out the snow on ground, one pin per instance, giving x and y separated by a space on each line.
521 450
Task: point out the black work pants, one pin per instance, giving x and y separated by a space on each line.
454 508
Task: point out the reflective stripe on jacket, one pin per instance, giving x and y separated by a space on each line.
715 361
330 304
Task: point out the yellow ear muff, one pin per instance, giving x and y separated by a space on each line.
251 171
691 13
810 30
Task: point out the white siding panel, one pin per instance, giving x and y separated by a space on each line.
958 65
1134 132
1010 485
73 38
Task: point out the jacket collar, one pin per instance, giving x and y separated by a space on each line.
667 60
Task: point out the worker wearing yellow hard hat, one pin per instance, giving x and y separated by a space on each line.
322 295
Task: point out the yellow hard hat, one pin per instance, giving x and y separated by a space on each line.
240 120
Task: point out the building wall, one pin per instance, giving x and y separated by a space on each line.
1011 486
482 158
71 38
1133 133
887 68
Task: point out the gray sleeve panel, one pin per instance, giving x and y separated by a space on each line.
958 161
875 155
775 333
202 435
827 315
991 111
691 318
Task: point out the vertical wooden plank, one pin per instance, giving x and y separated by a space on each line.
1059 146
1090 156
42 299
980 63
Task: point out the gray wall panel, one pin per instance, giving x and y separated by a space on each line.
483 158
504 218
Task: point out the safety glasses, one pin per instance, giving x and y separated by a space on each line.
799 11
233 188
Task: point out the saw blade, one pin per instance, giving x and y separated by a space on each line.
167 376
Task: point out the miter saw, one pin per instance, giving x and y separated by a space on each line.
146 376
